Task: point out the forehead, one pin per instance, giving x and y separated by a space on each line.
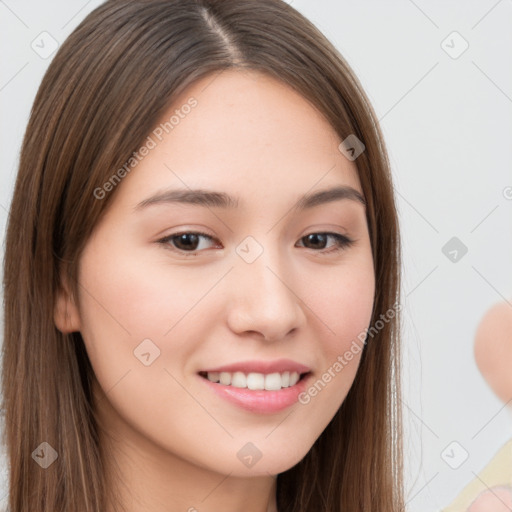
246 133
250 111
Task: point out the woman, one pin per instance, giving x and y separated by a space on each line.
174 337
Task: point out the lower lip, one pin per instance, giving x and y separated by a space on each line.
260 400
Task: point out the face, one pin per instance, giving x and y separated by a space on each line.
175 294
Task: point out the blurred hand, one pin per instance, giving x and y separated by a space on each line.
493 349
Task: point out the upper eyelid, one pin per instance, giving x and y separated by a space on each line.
201 233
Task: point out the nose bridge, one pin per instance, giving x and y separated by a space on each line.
262 293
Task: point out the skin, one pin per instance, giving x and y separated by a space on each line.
493 349
173 441
493 353
497 499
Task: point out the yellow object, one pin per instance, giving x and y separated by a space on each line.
497 473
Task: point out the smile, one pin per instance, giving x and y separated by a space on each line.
260 393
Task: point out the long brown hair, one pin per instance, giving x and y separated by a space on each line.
103 93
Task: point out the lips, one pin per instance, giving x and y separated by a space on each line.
261 393
265 367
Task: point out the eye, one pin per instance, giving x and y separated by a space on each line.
340 241
189 242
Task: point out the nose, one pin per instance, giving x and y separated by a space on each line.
265 299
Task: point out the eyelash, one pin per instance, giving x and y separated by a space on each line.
342 241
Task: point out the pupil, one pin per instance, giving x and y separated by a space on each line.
316 237
182 239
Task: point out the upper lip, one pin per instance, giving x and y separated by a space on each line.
266 367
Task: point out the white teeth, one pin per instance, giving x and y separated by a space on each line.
294 378
255 381
225 378
273 381
239 380
213 376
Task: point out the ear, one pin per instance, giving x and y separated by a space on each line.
65 315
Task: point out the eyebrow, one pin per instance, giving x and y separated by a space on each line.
211 198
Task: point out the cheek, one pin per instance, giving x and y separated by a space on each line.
129 309
126 300
343 308
136 297
344 304
124 303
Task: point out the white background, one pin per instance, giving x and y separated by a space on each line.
448 127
